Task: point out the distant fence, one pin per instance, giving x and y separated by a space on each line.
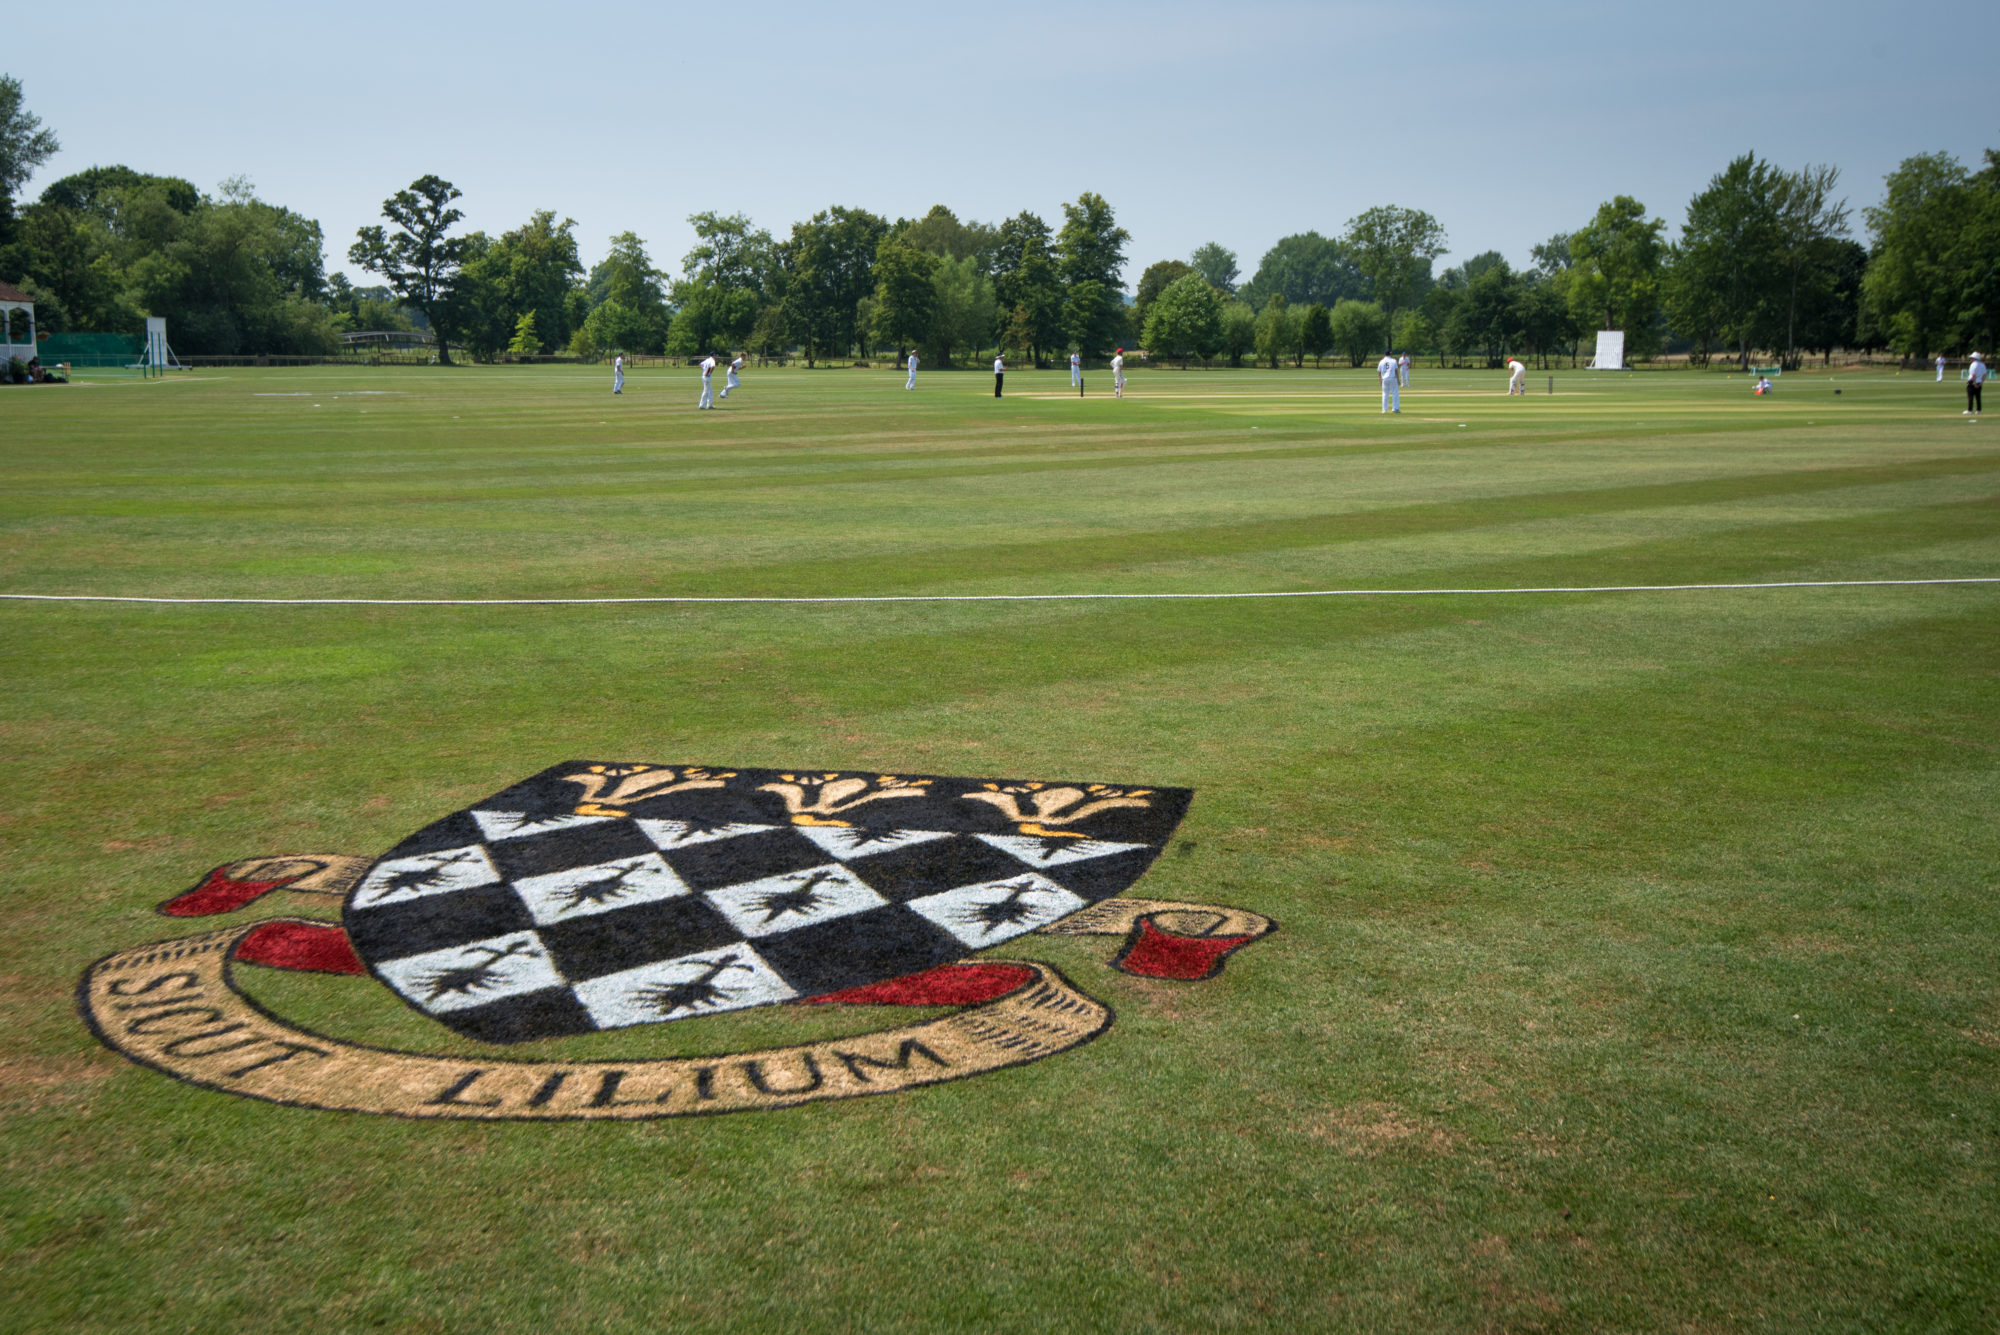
76 348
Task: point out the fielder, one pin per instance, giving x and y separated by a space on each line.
1392 394
1075 369
1975 376
1517 377
999 373
1117 374
1940 368
707 382
1403 371
735 365
618 374
911 383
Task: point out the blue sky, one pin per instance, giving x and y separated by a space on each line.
1234 123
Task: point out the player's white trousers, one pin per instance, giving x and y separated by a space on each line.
734 383
1118 385
911 383
1392 397
707 393
618 382
1518 384
1075 375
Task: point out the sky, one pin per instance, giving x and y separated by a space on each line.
1237 123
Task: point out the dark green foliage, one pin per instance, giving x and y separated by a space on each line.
826 267
418 260
1090 260
1306 269
1615 274
1153 282
1185 320
1216 263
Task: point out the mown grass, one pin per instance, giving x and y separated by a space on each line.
1637 956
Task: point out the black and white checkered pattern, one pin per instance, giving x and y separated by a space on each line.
523 919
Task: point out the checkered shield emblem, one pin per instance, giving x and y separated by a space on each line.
598 895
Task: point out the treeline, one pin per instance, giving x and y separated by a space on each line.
842 281
1765 264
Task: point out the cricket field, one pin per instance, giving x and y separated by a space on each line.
1636 952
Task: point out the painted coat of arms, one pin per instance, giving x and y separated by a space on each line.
598 896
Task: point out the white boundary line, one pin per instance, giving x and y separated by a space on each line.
981 597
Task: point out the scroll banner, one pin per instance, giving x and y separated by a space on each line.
174 1006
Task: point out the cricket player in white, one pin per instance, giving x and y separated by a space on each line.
999 374
1403 371
707 383
911 383
618 374
1392 395
1117 373
1517 377
1075 369
1940 378
735 365
1975 376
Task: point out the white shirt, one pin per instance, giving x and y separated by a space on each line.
1386 368
1118 362
1515 368
617 363
913 361
1075 360
735 366
1940 363
999 365
707 368
1403 360
1976 372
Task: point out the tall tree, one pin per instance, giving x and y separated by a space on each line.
627 308
1979 258
1276 330
1027 285
1615 277
1303 269
24 146
1439 313
1152 283
1830 306
1491 315
962 311
1217 264
532 270
1808 218
1090 317
940 233
1090 260
1185 319
905 294
1239 330
1552 256
1358 329
723 283
1394 246
240 275
78 243
827 266
1915 266
1315 331
420 261
1726 270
